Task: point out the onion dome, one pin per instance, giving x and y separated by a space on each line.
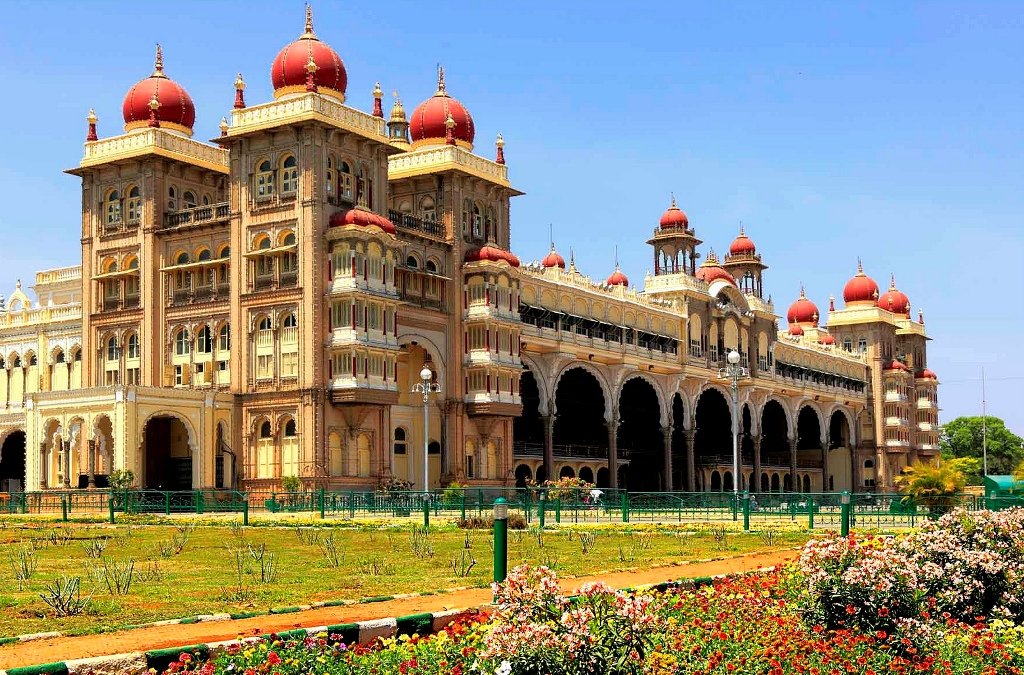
803 311
158 101
491 253
895 301
861 288
617 278
674 217
742 245
795 329
896 365
711 269
927 375
553 259
308 58
362 218
827 339
429 119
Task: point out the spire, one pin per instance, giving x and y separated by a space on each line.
673 196
831 303
398 125
742 233
91 119
154 105
803 295
892 281
449 130
309 24
239 92
223 126
572 260
158 65
500 143
440 81
397 110
378 107
310 71
551 235
860 267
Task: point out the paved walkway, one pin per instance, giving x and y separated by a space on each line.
161 637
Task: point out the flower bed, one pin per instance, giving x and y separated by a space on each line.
866 606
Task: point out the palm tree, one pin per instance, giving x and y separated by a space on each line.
936 485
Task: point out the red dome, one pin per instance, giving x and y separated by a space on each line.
803 311
827 339
361 218
175 109
895 301
553 259
493 254
927 375
896 365
288 74
617 278
861 288
742 245
427 124
795 329
674 217
711 269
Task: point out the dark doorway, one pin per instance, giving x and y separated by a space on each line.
12 463
640 436
168 456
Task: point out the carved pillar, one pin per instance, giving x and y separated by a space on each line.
824 463
92 463
44 466
756 487
792 464
691 462
549 445
667 431
67 464
613 452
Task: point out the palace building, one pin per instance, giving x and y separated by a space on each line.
261 305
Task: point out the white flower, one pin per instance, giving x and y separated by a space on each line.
504 669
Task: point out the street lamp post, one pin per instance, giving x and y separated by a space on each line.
426 387
734 372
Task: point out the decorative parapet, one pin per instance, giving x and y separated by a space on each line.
558 276
303 107
667 283
59 275
445 157
36 316
155 141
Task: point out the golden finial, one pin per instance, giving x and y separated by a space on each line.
158 66
440 81
500 142
377 92
673 195
802 293
91 117
223 126
742 233
309 20
239 83
860 266
397 110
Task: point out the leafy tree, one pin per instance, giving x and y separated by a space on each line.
962 437
122 479
936 485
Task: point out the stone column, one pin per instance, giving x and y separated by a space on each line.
756 487
792 464
67 464
44 466
824 463
667 431
92 463
691 461
549 445
613 452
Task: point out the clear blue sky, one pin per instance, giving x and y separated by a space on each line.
890 131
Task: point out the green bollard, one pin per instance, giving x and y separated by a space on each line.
625 506
542 503
426 513
110 506
199 502
64 508
500 539
844 527
810 512
463 509
558 510
321 496
746 512
245 511
734 504
167 503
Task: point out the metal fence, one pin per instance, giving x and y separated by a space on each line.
534 506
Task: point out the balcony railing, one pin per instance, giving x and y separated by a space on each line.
574 451
409 222
198 215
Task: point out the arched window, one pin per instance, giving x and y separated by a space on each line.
345 182
204 255
112 349
329 177
206 200
427 210
265 323
264 179
77 356
57 358
289 239
400 439
182 346
411 262
113 207
290 321
172 198
225 338
182 259
189 199
204 341
289 429
134 204
225 252
32 360
432 266
289 175
133 346
15 361
265 431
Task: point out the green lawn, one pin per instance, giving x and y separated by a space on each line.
217 568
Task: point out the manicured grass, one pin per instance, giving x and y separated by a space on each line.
216 569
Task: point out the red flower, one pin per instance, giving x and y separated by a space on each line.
273 659
883 611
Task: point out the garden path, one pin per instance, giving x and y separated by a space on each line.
161 637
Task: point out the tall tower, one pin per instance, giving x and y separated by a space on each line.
675 244
744 263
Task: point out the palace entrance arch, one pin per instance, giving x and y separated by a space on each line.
167 454
12 462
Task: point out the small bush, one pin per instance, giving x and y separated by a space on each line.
117 576
23 563
375 566
516 521
330 551
462 565
64 597
94 548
